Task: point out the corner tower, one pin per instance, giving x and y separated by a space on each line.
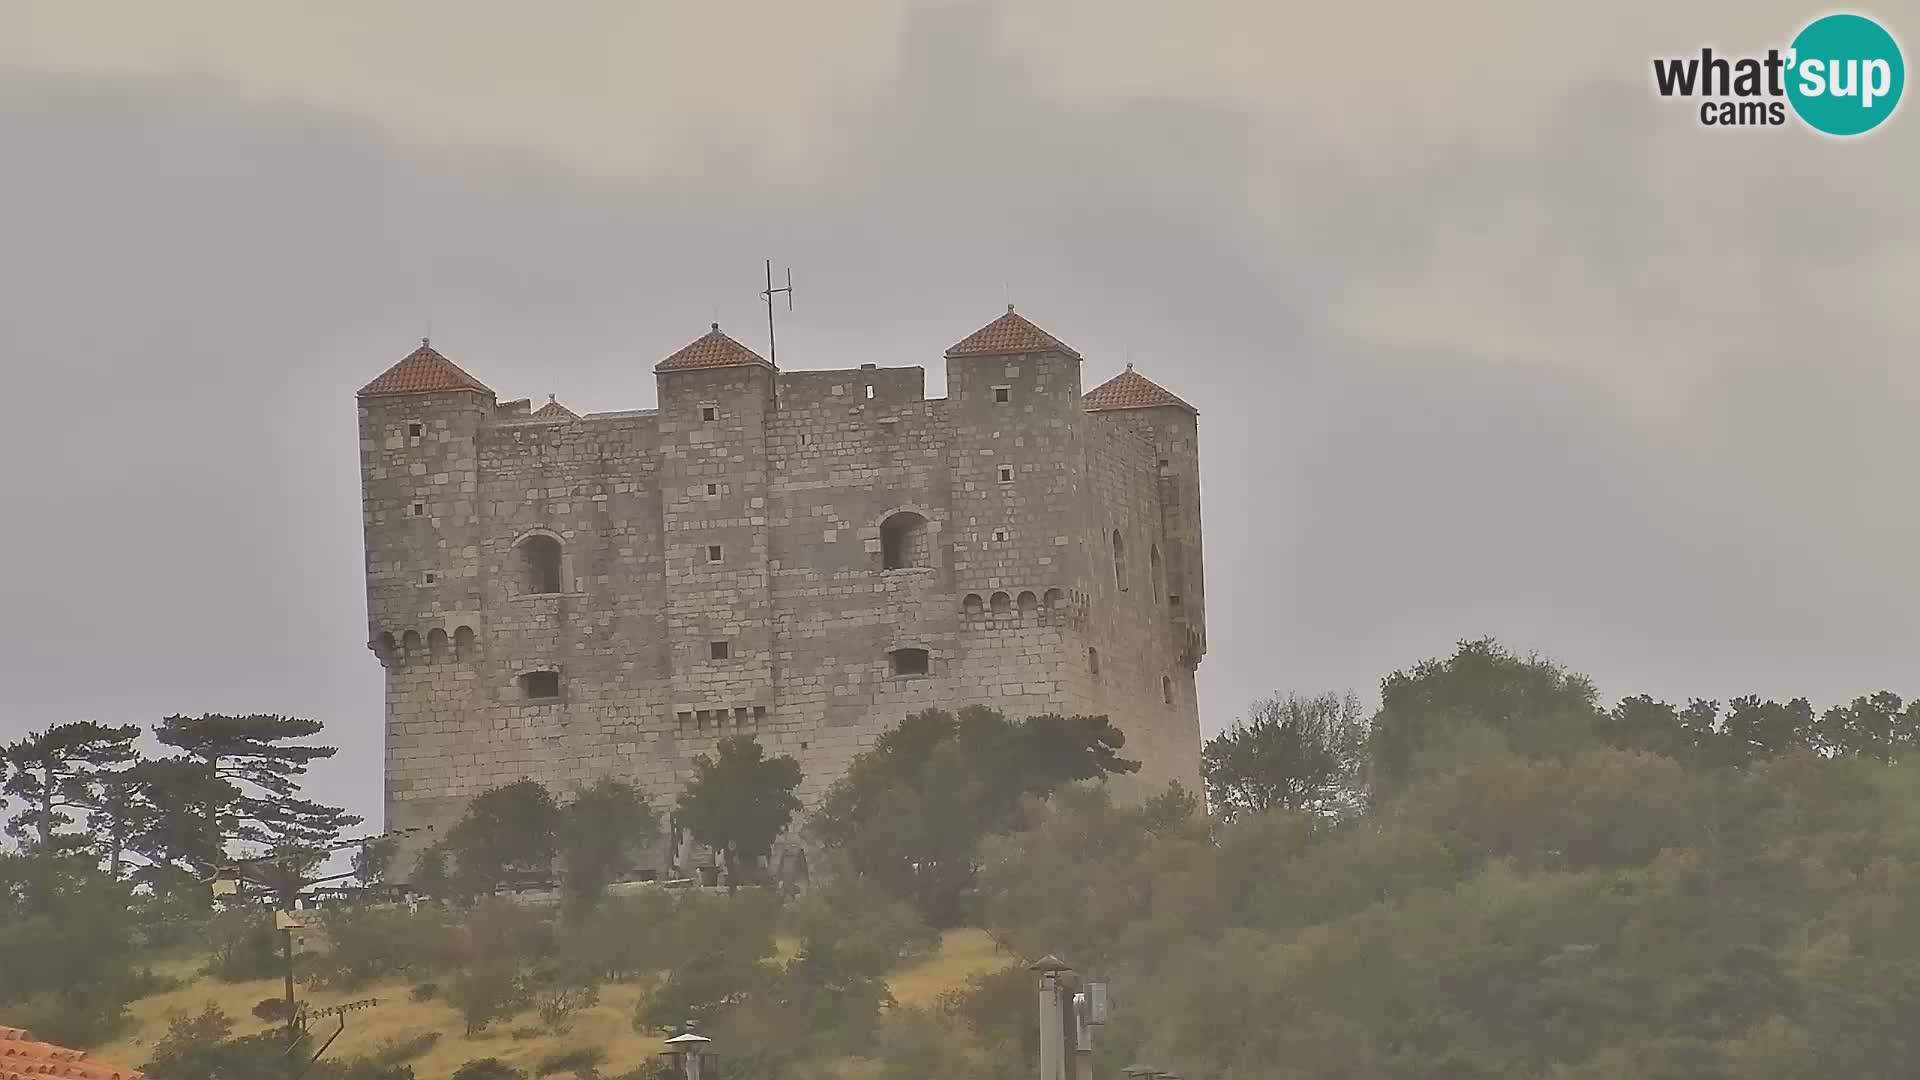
420 426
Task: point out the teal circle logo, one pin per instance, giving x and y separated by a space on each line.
1845 74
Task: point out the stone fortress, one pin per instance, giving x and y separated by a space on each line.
806 556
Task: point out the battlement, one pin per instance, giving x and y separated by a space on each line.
805 555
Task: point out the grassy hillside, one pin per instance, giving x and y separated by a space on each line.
608 1025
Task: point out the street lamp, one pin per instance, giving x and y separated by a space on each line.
688 1046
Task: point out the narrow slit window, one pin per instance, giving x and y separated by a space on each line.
1093 661
712 490
1166 689
869 391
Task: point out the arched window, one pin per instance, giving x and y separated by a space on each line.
388 647
540 564
1119 560
909 661
1054 602
437 643
1093 661
972 605
904 542
1153 564
1166 689
463 643
1002 603
1028 603
410 644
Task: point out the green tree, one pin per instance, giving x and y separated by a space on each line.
602 835
911 812
59 771
259 762
740 802
166 811
1294 753
1482 696
373 859
507 831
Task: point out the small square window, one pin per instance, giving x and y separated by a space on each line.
414 431
709 413
869 391
759 714
712 490
429 577
713 552
719 650
1002 393
540 685
420 509
1006 474
684 720
999 535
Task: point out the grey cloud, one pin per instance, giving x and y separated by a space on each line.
198 281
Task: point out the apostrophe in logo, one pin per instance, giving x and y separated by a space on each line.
1847 74
1842 75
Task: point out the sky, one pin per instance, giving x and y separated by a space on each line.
1487 339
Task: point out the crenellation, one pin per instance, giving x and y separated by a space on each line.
806 556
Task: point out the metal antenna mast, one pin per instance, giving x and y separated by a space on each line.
767 294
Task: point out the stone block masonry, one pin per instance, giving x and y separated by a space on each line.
804 556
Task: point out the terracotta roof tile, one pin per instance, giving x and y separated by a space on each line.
1131 390
711 350
24 1058
423 371
553 410
1010 334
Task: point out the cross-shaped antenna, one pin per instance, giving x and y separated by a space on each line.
767 294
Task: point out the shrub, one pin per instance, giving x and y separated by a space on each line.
487 1069
487 990
425 991
577 1060
395 1049
374 943
556 1008
243 945
271 1009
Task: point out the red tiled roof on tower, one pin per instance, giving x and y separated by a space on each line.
553 410
1010 335
1131 390
423 371
24 1058
712 350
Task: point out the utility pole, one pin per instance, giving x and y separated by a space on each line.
1070 1008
